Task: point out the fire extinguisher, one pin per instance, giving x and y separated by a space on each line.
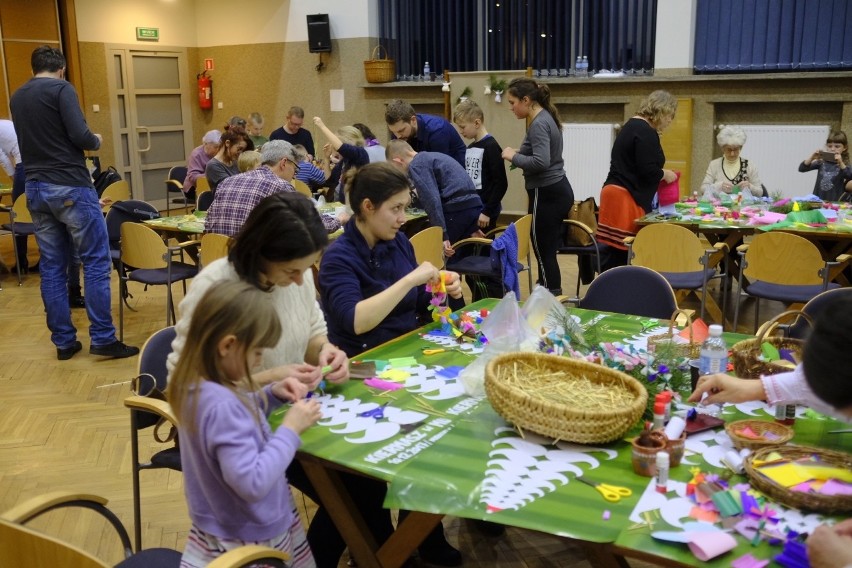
205 91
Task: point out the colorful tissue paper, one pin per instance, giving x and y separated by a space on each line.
794 555
403 362
450 372
382 385
835 487
748 561
394 375
700 514
708 545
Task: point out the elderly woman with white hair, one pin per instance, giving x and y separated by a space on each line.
731 170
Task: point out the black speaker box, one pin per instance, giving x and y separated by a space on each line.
319 35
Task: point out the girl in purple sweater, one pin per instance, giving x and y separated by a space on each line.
233 463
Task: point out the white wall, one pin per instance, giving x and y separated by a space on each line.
203 23
115 21
675 43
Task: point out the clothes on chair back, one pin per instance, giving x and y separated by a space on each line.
617 216
504 254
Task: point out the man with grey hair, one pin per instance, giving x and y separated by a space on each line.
197 163
237 195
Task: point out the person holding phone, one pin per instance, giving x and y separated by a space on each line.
834 173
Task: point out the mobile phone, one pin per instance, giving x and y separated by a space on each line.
827 156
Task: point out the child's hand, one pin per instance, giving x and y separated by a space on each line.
302 415
448 249
484 220
290 389
452 282
508 153
815 157
310 375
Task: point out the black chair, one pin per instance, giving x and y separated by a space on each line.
800 328
174 184
634 290
23 547
20 225
588 256
148 409
204 201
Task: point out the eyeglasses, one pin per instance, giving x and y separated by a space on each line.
295 165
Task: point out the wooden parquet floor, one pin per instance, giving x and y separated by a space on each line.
63 426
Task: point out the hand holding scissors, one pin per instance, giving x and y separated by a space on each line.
612 493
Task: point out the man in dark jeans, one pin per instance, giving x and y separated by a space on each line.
52 136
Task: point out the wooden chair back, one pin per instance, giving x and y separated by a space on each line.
116 191
201 185
429 246
783 258
20 212
668 248
213 247
523 226
24 547
302 187
142 247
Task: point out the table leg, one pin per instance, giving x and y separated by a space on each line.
348 520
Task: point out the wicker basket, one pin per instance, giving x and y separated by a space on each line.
827 504
380 70
784 434
691 349
557 420
746 353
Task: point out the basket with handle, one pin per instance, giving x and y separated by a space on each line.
769 434
822 503
535 392
380 70
746 354
691 349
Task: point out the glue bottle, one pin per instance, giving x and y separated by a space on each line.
659 415
785 414
662 478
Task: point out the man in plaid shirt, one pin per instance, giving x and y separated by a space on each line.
237 195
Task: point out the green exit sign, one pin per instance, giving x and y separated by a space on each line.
148 34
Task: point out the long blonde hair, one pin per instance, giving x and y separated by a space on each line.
231 308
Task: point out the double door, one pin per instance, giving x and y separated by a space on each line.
151 123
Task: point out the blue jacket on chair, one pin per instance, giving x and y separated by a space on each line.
504 254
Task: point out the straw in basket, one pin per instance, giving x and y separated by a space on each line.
380 70
769 434
564 399
827 504
747 354
691 349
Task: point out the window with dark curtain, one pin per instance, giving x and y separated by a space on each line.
756 36
472 35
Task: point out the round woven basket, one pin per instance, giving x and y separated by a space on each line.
784 433
827 504
691 349
558 420
746 354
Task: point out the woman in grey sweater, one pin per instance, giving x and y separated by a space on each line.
540 158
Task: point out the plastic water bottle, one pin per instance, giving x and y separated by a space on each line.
585 66
578 66
426 71
714 352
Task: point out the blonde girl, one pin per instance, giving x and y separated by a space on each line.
233 463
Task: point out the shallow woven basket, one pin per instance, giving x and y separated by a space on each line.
827 504
557 420
691 349
379 70
746 353
760 427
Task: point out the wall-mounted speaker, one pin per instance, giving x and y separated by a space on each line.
319 35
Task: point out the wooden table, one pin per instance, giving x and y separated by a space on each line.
460 458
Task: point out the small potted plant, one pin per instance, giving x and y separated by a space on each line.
497 87
465 94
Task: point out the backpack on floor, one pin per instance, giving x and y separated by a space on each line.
106 178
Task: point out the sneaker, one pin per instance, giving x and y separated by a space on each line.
116 350
68 352
77 301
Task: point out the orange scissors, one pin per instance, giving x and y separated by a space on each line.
612 493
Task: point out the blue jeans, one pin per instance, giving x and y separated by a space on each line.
68 218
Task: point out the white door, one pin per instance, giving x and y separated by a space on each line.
151 125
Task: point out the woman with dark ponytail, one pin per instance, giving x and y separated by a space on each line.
540 158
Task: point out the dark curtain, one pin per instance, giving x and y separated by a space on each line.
470 35
772 35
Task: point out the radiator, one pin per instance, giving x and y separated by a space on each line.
777 151
586 149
